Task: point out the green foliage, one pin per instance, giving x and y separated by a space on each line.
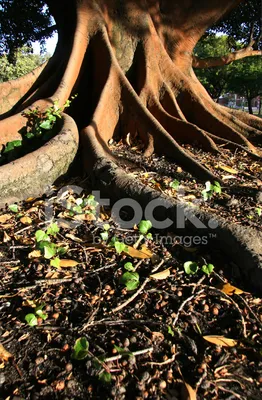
13 208
39 125
210 190
104 235
130 280
119 246
49 250
208 269
246 78
105 377
31 318
25 62
174 184
81 347
129 267
259 211
215 79
170 331
191 267
144 226
23 22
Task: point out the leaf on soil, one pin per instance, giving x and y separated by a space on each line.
228 169
6 237
4 354
74 238
229 289
4 218
188 393
26 220
34 254
85 217
64 263
80 349
220 340
143 253
161 275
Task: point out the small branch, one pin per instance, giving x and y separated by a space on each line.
227 59
134 353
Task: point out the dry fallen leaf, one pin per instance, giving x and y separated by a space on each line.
4 354
229 289
161 275
74 238
220 340
85 217
4 218
26 220
6 237
228 169
188 393
68 263
143 253
34 254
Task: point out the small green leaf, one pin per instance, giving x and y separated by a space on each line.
174 184
47 124
105 377
41 235
61 251
106 227
170 331
208 269
13 208
104 236
259 211
77 209
80 349
53 229
122 351
120 247
217 187
55 262
149 236
144 226
41 314
12 145
129 267
49 250
79 202
31 319
130 280
190 267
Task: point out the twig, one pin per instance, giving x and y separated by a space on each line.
123 305
249 309
169 361
133 353
184 304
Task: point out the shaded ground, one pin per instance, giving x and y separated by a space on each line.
161 351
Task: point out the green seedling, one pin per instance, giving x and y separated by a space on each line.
31 318
49 249
144 226
81 349
210 190
174 184
191 267
130 280
259 211
13 208
120 247
207 269
104 235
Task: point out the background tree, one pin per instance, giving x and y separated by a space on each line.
214 79
245 79
21 23
26 62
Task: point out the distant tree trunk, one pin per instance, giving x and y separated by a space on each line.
249 103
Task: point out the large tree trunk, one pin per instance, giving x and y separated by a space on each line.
130 61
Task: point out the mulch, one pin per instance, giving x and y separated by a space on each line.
175 336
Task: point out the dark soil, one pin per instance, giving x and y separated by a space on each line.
161 351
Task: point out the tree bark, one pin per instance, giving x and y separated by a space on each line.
130 61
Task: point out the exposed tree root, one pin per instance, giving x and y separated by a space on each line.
130 80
